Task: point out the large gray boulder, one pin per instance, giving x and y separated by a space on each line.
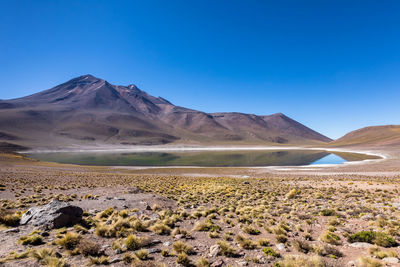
55 214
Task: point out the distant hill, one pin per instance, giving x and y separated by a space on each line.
88 110
386 135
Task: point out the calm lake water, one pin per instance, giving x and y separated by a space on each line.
203 158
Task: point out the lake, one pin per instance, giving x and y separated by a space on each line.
231 158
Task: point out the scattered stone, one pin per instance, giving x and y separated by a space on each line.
242 263
241 253
367 217
134 190
396 205
167 244
281 247
361 245
391 260
12 230
109 198
103 249
116 259
154 216
217 263
245 183
214 250
153 250
56 214
119 198
154 242
179 236
351 263
261 258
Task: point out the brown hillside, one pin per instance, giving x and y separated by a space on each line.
90 111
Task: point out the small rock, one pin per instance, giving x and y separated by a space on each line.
261 258
245 183
118 251
116 259
12 230
109 198
217 263
155 242
361 245
214 250
119 198
167 244
396 205
108 222
367 217
179 236
351 263
241 253
155 216
391 260
134 190
153 250
281 247
242 263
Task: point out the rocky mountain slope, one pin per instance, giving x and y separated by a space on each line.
88 110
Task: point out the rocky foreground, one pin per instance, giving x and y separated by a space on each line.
59 215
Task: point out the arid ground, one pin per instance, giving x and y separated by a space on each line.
345 215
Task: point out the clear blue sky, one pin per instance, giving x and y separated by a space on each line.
332 65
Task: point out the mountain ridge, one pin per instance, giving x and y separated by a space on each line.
381 135
88 109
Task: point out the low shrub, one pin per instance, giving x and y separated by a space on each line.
227 250
33 240
133 242
271 252
87 247
180 247
245 243
372 237
69 241
330 238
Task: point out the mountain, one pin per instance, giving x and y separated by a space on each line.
88 110
387 135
